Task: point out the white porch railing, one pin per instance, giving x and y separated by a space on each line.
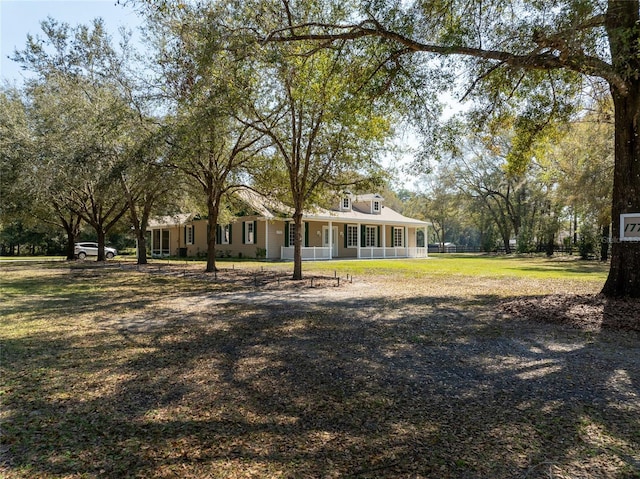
309 253
395 252
318 253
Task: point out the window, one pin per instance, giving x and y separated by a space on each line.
370 236
398 237
352 236
225 234
376 207
292 234
346 204
249 232
189 236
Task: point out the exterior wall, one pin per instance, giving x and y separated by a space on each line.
200 238
271 235
315 233
177 240
412 238
275 238
344 251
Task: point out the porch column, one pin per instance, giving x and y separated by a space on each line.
331 240
384 241
426 243
405 241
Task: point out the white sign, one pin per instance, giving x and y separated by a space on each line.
630 227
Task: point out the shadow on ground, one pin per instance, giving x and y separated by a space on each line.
244 385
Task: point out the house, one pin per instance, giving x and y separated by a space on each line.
360 226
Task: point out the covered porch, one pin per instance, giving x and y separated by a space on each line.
327 240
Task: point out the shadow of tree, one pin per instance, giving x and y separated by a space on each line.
251 386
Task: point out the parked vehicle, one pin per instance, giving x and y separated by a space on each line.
84 249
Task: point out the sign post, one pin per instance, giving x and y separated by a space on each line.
630 227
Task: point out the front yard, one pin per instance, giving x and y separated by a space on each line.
445 368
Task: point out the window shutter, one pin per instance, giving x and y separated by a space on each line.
230 233
306 235
244 235
185 235
363 235
378 240
286 234
346 235
255 232
193 234
218 234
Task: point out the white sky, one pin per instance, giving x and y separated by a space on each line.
21 17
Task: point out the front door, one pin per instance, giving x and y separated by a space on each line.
334 242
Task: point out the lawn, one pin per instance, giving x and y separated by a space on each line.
402 369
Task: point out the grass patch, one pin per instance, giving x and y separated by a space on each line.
474 266
112 372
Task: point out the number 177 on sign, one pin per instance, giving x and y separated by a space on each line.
630 227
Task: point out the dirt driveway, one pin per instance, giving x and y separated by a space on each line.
391 378
163 373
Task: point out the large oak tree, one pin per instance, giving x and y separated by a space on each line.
538 55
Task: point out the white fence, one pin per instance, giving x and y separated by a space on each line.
318 253
310 253
397 252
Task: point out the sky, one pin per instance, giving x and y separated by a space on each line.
18 18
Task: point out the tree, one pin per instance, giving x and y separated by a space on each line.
534 52
209 84
145 180
583 163
81 118
322 114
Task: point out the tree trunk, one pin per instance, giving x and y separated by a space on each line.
71 244
72 228
141 252
624 274
101 243
549 247
507 244
604 243
297 245
213 212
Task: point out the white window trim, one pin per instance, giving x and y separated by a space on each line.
355 238
190 240
376 206
249 234
292 233
346 204
224 234
370 233
398 234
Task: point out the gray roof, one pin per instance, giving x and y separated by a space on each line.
386 216
269 208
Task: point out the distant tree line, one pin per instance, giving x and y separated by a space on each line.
300 100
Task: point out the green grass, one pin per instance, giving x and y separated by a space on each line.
478 266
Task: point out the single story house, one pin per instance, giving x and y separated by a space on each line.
360 226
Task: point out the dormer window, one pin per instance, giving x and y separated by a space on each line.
376 206
346 204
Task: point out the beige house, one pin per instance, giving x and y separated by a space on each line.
360 226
